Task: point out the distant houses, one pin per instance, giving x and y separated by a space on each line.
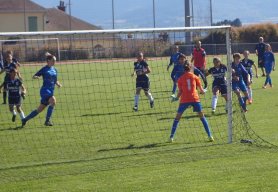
25 15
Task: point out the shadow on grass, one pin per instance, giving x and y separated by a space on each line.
101 114
12 128
136 114
132 146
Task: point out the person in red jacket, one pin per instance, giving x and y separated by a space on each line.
199 57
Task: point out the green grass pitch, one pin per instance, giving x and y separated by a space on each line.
99 144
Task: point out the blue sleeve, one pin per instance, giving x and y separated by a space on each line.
199 73
244 71
40 72
171 61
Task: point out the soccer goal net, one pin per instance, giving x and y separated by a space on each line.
94 117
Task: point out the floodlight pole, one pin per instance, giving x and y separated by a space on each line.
70 28
24 13
113 15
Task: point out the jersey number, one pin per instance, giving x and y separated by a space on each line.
188 84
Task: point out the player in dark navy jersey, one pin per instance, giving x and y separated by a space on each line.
260 49
49 75
8 65
174 60
269 60
218 72
14 87
141 70
238 85
248 64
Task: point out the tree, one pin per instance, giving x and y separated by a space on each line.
234 23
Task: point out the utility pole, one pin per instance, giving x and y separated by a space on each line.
24 13
154 24
70 28
187 18
113 15
211 20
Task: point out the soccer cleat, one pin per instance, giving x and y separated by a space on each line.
48 123
211 139
270 86
171 140
23 122
173 96
13 118
264 87
152 103
135 108
213 111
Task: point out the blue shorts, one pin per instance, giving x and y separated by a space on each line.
239 85
197 107
45 100
46 94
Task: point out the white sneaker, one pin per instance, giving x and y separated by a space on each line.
135 108
171 139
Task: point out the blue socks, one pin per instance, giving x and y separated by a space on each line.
206 126
174 88
174 127
242 102
31 115
204 121
49 112
268 80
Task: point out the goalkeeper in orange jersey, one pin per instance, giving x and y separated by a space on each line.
188 96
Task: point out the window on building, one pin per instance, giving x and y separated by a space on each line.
33 23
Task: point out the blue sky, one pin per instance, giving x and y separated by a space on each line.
169 13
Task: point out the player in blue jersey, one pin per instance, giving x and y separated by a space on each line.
174 60
238 85
269 65
14 87
49 75
179 71
218 72
141 70
260 49
8 65
248 64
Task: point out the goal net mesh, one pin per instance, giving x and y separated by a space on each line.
93 118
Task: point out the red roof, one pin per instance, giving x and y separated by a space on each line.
58 20
20 6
